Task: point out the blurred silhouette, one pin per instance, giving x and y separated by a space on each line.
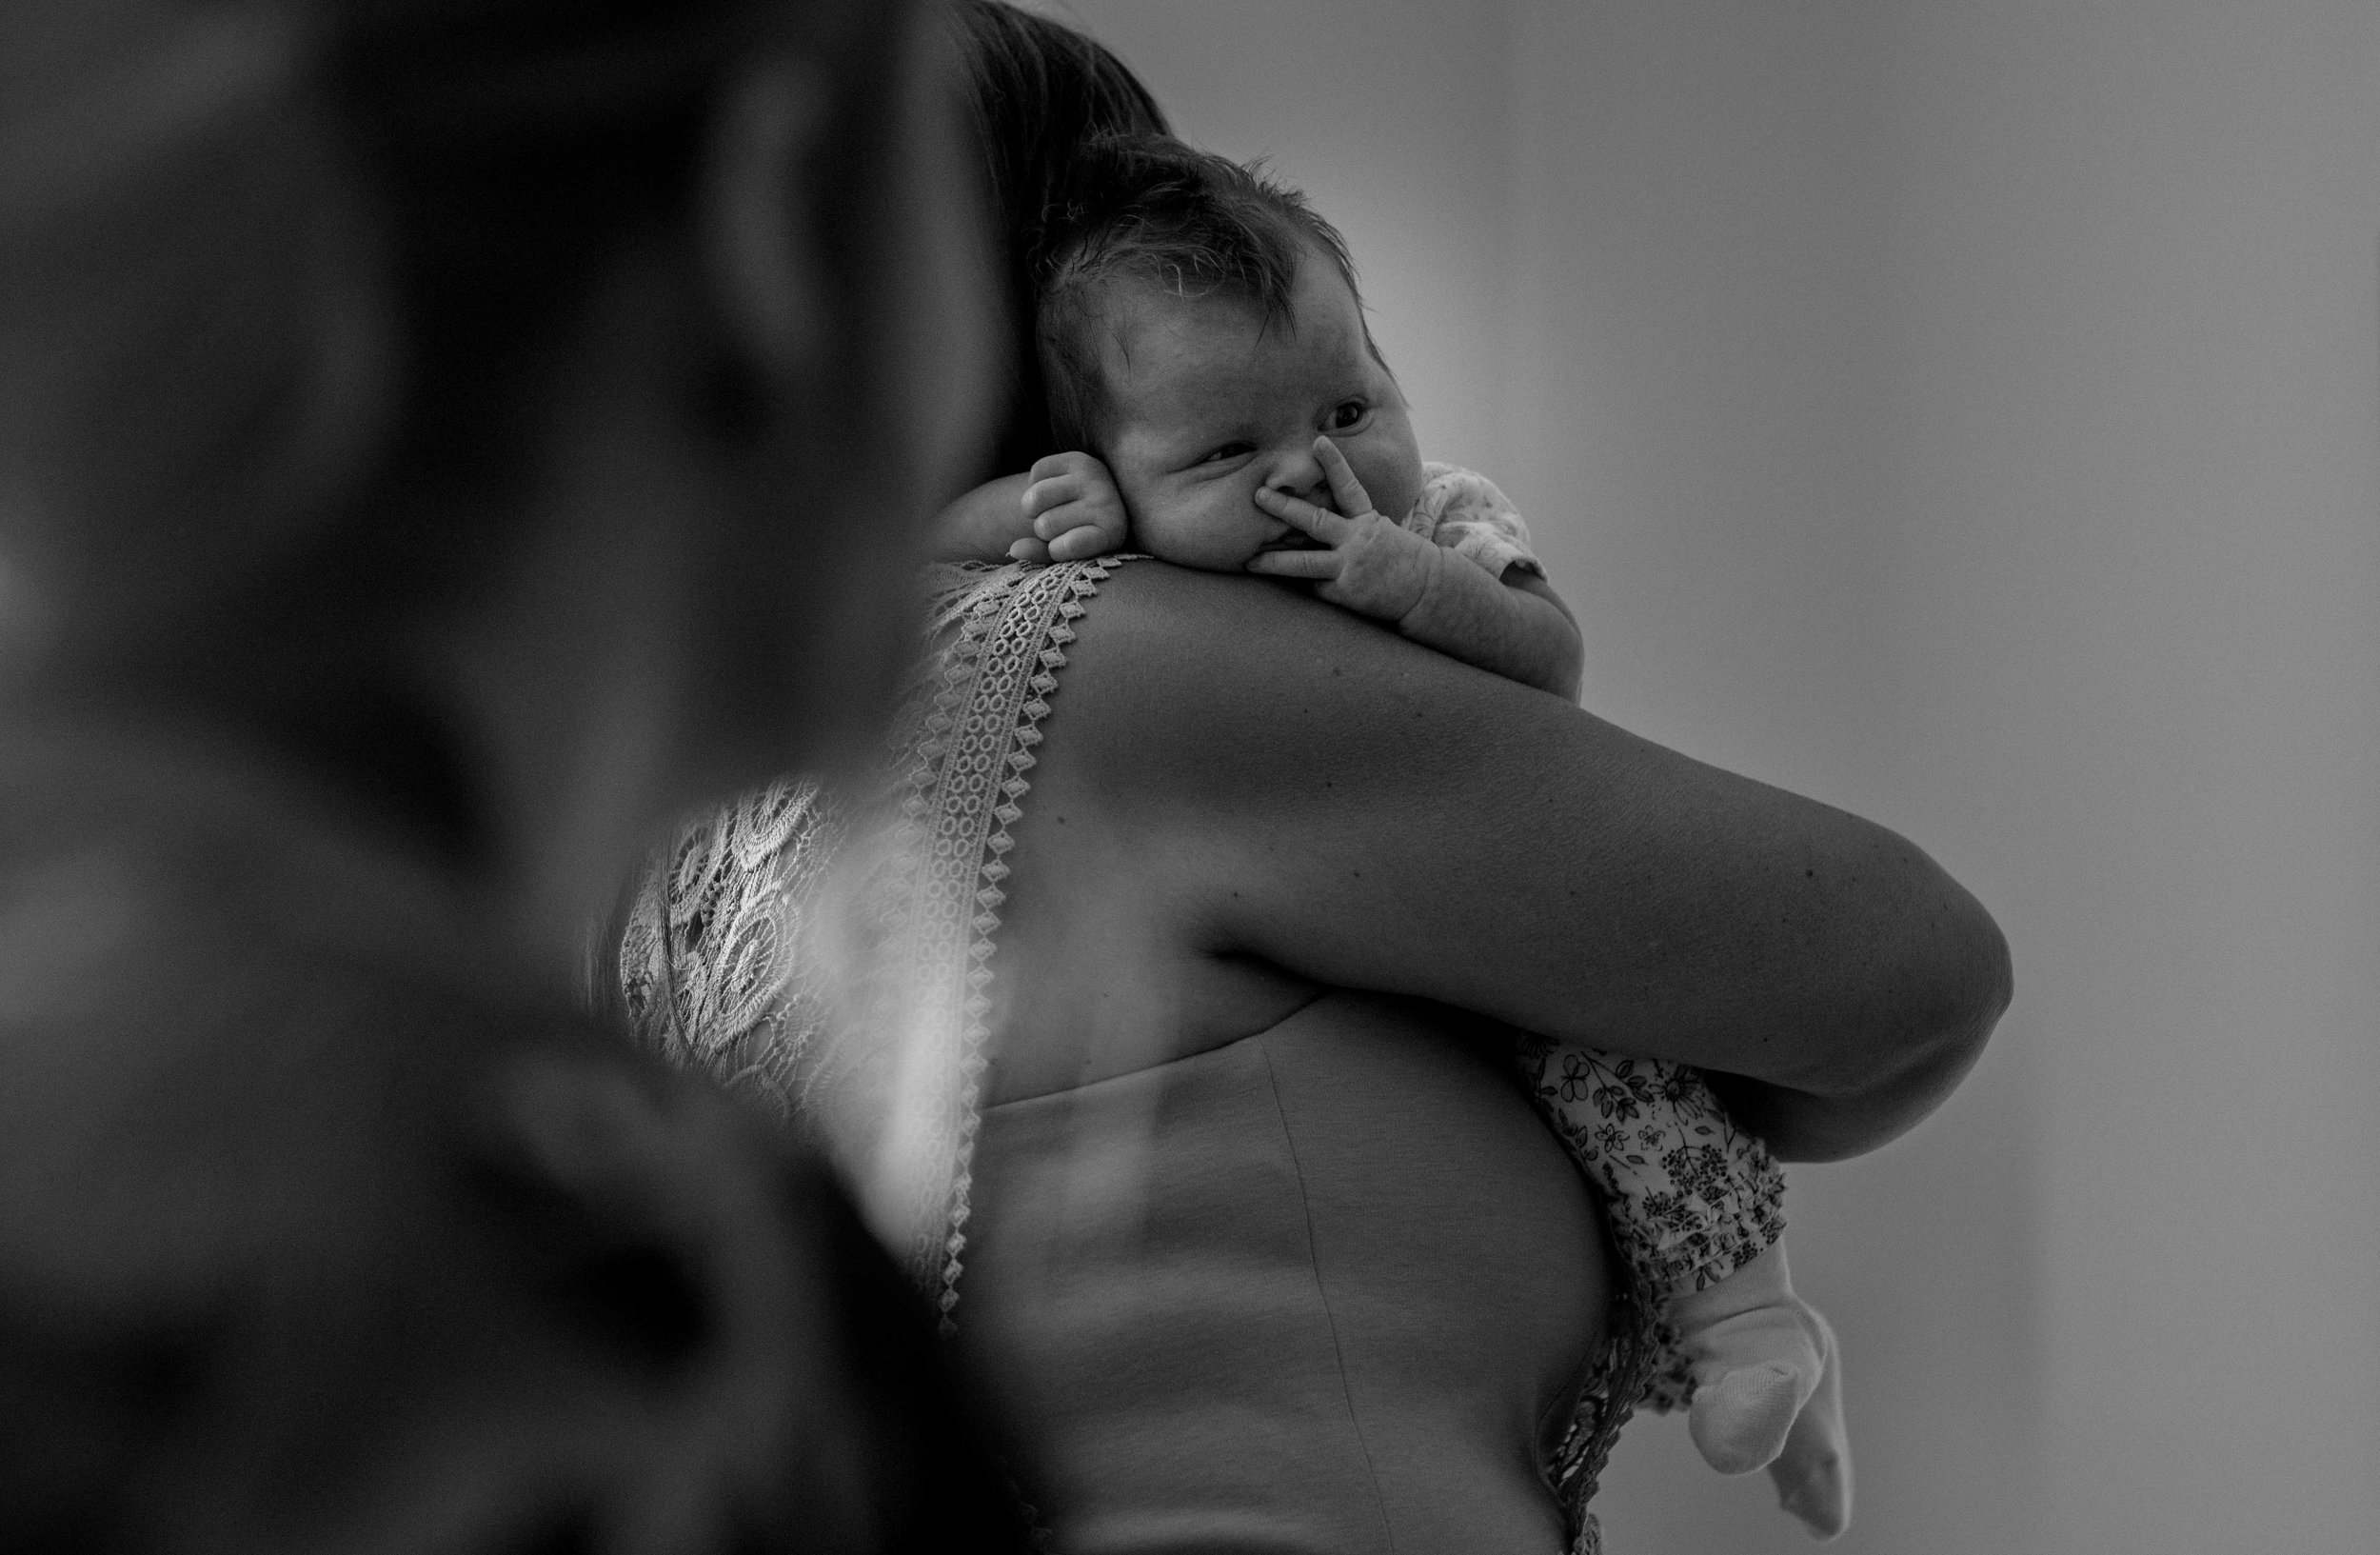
439 442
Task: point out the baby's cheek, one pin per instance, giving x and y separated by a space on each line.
1189 534
1397 489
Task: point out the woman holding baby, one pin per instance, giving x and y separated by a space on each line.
1182 1063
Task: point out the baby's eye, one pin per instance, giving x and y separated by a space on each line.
1348 415
1229 450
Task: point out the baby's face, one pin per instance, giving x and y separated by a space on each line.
1208 406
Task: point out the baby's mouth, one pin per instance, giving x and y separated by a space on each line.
1293 540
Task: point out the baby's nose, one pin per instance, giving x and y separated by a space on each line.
1299 475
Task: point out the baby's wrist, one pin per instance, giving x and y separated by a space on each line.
1423 620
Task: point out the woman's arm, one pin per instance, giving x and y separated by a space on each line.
1286 780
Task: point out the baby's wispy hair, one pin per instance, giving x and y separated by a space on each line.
1151 212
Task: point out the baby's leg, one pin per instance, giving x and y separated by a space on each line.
1696 1207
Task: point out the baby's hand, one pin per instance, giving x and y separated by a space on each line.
1075 510
1370 564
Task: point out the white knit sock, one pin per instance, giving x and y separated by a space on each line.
1767 1388
1813 1473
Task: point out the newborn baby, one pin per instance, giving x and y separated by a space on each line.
1208 362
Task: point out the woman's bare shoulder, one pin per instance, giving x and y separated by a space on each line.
1153 605
1187 657
1262 718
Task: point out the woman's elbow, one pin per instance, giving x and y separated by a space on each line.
1955 984
1975 995
1992 982
1973 983
1910 1027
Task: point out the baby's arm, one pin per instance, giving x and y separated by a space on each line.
1064 509
984 524
1516 626
1075 510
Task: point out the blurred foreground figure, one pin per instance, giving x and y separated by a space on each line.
429 437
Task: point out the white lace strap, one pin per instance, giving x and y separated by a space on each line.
969 746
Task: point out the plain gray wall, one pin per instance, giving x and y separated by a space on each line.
1968 413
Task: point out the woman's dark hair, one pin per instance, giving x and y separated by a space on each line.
1038 92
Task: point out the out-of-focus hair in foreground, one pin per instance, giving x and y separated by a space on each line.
440 440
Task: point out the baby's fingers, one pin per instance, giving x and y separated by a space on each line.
1316 566
1028 550
1084 540
1051 491
1320 523
1346 491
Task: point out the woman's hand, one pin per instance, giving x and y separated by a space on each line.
1075 510
1368 564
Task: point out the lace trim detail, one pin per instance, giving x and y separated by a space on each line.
716 964
832 963
972 746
